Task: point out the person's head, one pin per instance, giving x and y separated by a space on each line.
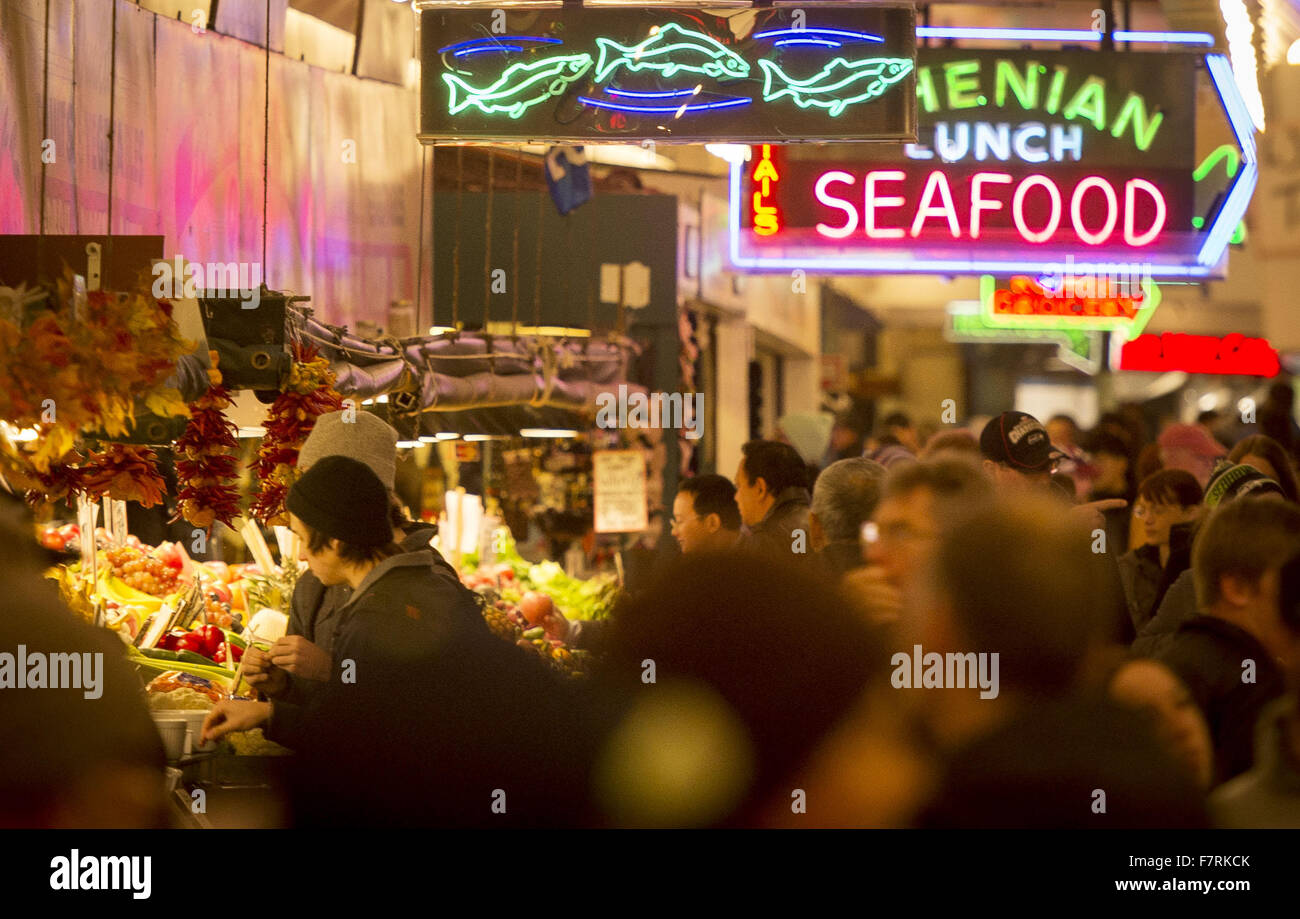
1155 691
1237 560
1281 394
844 497
897 427
1017 578
1062 430
356 434
959 442
1189 447
1165 499
732 713
1230 481
766 469
1017 451
1114 463
340 511
705 516
917 501
1267 455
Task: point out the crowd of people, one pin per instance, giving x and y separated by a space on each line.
1016 626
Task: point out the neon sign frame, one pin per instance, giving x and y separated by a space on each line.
1205 264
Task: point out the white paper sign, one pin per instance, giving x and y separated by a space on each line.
620 499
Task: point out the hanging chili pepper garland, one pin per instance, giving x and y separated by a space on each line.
126 472
308 395
206 464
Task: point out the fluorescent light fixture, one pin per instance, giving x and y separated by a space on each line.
1172 38
428 438
732 153
1208 402
252 431
441 329
441 435
1240 32
547 331
547 432
477 437
407 444
1293 53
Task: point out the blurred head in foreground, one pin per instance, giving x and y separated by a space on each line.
732 668
69 757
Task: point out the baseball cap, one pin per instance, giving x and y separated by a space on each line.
1019 440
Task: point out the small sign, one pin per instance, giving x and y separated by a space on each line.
620 491
87 516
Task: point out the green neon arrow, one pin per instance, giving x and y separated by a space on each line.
1233 156
1130 328
663 51
836 86
522 86
1080 349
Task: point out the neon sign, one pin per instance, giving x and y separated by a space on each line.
620 74
1024 162
1105 303
1233 354
836 86
766 220
1079 348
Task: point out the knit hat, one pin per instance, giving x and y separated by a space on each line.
1191 437
358 435
1020 441
342 499
1235 480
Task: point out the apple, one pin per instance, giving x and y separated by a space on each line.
535 607
51 539
220 591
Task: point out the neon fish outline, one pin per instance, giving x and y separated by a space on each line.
882 71
724 62
557 73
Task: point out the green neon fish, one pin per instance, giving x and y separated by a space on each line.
838 85
522 86
664 50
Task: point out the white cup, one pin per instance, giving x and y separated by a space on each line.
175 734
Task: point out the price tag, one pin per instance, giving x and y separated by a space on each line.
87 517
119 522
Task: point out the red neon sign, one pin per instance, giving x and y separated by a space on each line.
766 220
1232 354
1026 297
1095 210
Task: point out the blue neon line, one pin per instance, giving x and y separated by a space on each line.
1225 84
859 36
1170 38
1243 186
466 52
808 41
684 107
1188 38
1040 34
921 266
500 38
666 94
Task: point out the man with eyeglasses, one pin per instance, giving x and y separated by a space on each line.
705 516
917 504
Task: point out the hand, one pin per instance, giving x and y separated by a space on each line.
300 657
880 600
1092 512
227 717
263 675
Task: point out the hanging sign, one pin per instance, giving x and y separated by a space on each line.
1034 162
1232 354
620 491
822 71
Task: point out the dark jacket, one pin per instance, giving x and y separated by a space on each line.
839 558
1268 796
1209 655
405 610
1175 609
1145 582
314 609
776 531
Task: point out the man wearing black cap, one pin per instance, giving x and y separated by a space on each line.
401 610
1017 450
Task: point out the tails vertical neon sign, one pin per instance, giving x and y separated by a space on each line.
767 222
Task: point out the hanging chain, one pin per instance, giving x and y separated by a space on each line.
455 246
487 244
519 207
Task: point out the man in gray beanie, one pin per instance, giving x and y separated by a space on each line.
298 663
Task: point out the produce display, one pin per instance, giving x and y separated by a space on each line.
534 605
